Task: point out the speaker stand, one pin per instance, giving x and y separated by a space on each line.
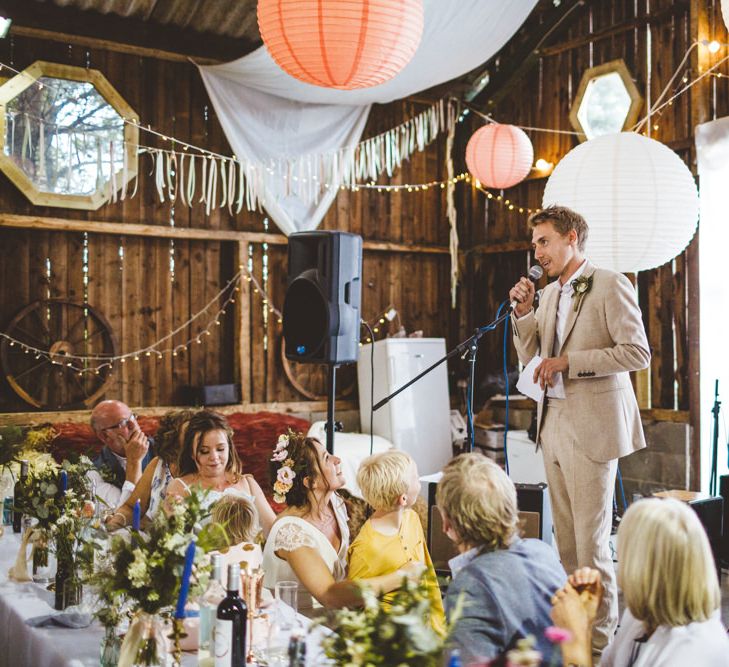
330 407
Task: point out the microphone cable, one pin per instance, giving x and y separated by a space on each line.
372 385
506 381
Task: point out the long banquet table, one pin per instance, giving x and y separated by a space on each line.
24 646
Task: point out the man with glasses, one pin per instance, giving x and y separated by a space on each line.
126 452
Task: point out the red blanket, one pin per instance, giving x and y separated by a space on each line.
255 434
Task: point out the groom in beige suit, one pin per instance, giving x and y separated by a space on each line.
589 333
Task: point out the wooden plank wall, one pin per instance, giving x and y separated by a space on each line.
596 33
142 302
130 280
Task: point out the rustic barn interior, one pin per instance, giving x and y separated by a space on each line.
147 266
184 188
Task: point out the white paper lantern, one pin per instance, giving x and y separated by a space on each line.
725 12
638 197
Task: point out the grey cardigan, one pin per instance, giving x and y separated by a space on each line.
506 596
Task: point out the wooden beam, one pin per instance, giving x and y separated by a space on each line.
49 224
655 17
242 350
110 32
83 416
491 248
699 112
132 229
107 45
383 246
661 415
522 54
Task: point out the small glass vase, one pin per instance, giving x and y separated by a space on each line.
42 563
110 647
68 584
146 643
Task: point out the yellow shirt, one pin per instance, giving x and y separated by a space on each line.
374 554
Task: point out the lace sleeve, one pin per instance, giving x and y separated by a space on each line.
292 536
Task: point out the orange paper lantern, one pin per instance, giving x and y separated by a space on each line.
343 44
499 156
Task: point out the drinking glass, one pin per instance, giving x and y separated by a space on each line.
282 623
287 597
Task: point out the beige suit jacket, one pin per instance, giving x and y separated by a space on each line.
604 340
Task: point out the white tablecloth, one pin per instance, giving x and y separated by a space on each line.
24 646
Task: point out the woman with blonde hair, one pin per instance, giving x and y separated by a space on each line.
668 578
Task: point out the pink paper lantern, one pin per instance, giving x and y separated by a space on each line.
499 156
343 44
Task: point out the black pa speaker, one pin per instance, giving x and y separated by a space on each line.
535 520
535 511
710 511
321 309
724 491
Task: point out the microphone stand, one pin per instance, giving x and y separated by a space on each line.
467 348
715 441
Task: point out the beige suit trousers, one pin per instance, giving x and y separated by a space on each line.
581 492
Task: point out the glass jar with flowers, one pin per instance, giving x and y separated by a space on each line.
147 572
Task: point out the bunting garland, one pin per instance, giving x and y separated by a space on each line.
232 182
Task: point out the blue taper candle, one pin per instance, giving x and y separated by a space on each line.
185 582
136 515
63 482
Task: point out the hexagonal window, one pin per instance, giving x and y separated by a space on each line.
607 101
64 139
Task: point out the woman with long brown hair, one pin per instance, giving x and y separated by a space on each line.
209 461
309 540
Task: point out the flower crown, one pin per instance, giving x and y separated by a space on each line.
286 474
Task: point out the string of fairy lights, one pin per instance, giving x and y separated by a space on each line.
95 364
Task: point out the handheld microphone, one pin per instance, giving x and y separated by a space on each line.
535 273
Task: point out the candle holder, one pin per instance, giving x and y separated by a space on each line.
177 635
252 587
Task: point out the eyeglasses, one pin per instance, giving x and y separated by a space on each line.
123 423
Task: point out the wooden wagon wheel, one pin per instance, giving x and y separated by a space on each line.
310 380
62 328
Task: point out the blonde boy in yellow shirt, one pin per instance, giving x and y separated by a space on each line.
393 535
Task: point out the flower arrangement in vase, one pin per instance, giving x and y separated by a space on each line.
142 574
386 634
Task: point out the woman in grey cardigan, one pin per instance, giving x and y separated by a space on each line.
504 583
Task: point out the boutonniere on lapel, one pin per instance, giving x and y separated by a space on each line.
581 286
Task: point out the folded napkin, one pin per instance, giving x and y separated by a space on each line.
72 617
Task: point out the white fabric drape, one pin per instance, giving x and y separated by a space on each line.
712 152
273 119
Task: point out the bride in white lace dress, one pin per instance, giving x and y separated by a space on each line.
308 542
209 461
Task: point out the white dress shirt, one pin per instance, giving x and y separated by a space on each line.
109 495
563 310
457 563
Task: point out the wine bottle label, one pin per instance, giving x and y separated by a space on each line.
223 643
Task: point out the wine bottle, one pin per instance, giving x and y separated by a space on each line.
18 494
64 565
230 624
209 601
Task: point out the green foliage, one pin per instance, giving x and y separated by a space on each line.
143 570
41 498
17 443
385 634
11 444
